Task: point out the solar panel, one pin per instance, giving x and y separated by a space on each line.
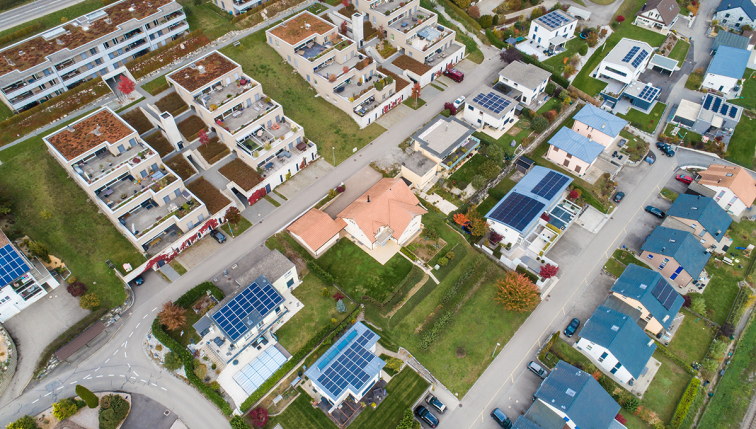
670 300
733 112
658 288
517 211
648 93
550 185
348 369
664 293
723 111
12 265
717 102
247 309
707 102
630 54
554 19
492 102
639 59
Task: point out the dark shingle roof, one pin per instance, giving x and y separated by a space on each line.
523 422
621 336
748 7
681 245
638 283
706 211
725 38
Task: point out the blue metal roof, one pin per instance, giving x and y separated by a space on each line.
247 308
12 264
639 283
348 364
748 7
601 120
523 422
730 62
680 245
523 205
706 211
576 145
620 335
726 38
577 394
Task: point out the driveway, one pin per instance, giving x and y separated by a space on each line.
588 302
355 186
567 249
146 413
304 178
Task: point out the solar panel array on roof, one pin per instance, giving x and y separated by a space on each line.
629 56
247 309
492 102
717 102
12 265
554 19
664 293
717 105
707 102
255 373
648 93
550 185
639 59
348 368
517 211
733 112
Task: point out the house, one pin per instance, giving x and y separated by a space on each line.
598 125
703 218
387 211
527 81
734 14
626 61
570 398
676 254
41 67
316 231
349 368
714 118
23 281
446 141
751 39
419 169
659 15
726 38
519 213
726 69
487 107
573 151
734 187
616 344
333 65
647 291
248 122
553 30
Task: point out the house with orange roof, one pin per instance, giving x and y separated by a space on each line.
316 231
387 211
734 188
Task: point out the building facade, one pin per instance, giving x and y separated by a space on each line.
658 15
734 189
676 254
734 14
528 80
489 108
553 30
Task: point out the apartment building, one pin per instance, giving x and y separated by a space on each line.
126 178
333 65
251 124
49 64
236 7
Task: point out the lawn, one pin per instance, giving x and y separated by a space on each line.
213 21
301 414
469 169
680 51
643 121
363 275
667 387
628 258
414 104
161 144
557 61
670 195
324 123
54 19
172 103
721 291
549 105
52 209
238 230
5 112
636 148
688 137
472 50
743 143
692 339
505 141
156 86
748 95
213 151
614 267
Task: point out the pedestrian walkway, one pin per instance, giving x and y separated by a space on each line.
170 272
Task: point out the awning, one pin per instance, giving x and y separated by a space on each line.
72 347
664 62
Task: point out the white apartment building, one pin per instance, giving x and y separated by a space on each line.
41 67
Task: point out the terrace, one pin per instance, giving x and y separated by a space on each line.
352 88
149 214
104 162
219 94
239 117
410 21
117 194
331 67
386 7
257 141
275 162
459 154
428 36
203 71
440 55
312 50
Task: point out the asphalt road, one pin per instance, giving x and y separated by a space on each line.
32 11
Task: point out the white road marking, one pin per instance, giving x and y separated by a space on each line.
107 360
133 378
131 334
99 376
126 343
122 376
139 323
164 389
114 353
72 383
143 380
110 375
145 316
154 309
49 394
98 368
59 388
135 374
34 401
125 355
154 384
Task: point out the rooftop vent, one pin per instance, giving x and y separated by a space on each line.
694 208
108 20
368 198
186 76
650 343
672 241
132 8
307 25
665 318
719 231
70 129
615 328
201 69
193 66
570 392
21 52
643 286
96 131
603 125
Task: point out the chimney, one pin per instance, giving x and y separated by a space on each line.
368 198
96 131
60 42
663 248
603 125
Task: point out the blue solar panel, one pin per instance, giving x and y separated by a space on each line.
639 59
733 112
12 265
348 368
247 309
550 185
554 19
717 102
492 102
517 211
648 93
630 54
707 102
724 109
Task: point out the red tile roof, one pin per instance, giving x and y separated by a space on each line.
315 228
111 128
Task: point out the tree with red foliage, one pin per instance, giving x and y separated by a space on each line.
257 196
343 26
337 296
620 18
203 137
126 85
548 271
416 93
620 418
517 293
474 11
511 54
461 219
259 417
450 107
495 238
573 194
686 300
77 289
345 3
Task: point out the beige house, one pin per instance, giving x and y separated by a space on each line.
734 189
676 254
316 231
598 125
419 169
702 217
573 151
446 142
659 15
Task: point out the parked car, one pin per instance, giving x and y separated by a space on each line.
572 328
665 148
424 415
685 179
455 75
138 281
537 369
501 418
651 157
458 102
435 403
655 211
622 142
618 197
218 236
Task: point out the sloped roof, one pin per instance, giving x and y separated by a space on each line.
272 266
390 202
680 245
726 38
576 145
638 283
316 228
705 211
747 5
668 9
601 120
523 422
730 62
735 178
623 338
577 394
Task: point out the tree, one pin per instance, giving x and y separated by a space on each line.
698 304
620 18
450 255
568 70
495 238
64 408
592 39
416 93
173 361
485 21
172 317
381 33
345 3
631 404
573 194
539 124
259 416
200 370
548 271
25 422
510 54
517 293
717 350
233 217
474 11
87 396
727 330
324 293
490 169
495 152
450 107
407 421
478 181
238 423
514 5
443 261
550 87
343 26
340 306
89 301
203 137
461 220
583 49
126 85
478 225
40 251
462 4
76 289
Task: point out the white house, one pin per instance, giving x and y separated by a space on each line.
525 80
734 189
553 30
626 61
659 15
487 106
726 69
735 14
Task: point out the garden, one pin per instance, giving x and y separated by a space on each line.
161 144
208 194
190 127
180 166
645 121
172 103
137 120
213 150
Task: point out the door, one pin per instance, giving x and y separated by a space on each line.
267 188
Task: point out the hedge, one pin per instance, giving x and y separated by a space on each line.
90 398
21 33
679 362
407 253
187 299
320 272
547 347
683 407
494 40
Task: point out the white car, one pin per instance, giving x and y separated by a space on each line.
458 102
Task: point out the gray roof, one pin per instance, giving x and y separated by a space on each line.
726 38
705 211
272 266
619 305
443 135
523 422
527 75
485 89
576 145
680 245
622 48
202 324
419 164
544 416
667 9
577 394
638 283
664 62
600 120
623 338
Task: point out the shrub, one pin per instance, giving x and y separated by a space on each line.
172 361
631 404
485 21
474 11
238 423
324 293
394 364
88 397
340 306
683 407
76 289
25 422
550 88
111 417
64 408
443 261
320 272
478 181
539 124
200 370
89 301
40 251
620 18
259 417
450 255
698 304
583 50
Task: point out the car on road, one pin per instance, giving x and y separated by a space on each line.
455 75
501 418
572 328
218 236
618 197
435 403
655 211
424 415
537 369
458 102
665 148
138 281
683 178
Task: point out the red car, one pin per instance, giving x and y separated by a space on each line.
455 75
685 179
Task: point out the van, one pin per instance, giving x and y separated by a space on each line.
455 75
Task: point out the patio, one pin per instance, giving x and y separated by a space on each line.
104 162
410 21
459 154
428 36
127 188
352 88
218 94
331 67
242 117
349 409
265 135
440 55
382 254
281 159
163 240
149 214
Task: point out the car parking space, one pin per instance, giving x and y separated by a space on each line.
630 176
517 400
595 294
676 185
569 246
643 223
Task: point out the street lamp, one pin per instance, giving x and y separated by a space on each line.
334 155
494 352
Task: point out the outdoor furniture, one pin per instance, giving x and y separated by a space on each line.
237 113
268 166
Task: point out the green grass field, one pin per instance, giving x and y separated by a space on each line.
666 389
742 145
614 267
670 195
643 121
213 21
153 86
680 51
469 169
692 339
557 61
748 96
238 230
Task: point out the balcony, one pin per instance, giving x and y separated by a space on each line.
255 144
428 36
313 50
104 162
388 6
64 64
282 158
218 94
26 286
149 215
240 117
459 154
21 97
441 54
352 89
127 188
332 68
407 23
70 75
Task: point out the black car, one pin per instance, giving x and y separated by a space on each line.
572 328
218 236
501 418
618 197
424 415
138 281
655 211
435 403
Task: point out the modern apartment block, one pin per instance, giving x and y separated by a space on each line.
251 124
41 67
126 178
333 65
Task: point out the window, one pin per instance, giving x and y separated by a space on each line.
121 149
167 199
616 368
650 256
664 263
470 107
603 356
616 71
200 218
569 156
577 169
190 225
177 192
727 15
277 46
290 283
93 51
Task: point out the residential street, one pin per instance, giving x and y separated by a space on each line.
31 11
